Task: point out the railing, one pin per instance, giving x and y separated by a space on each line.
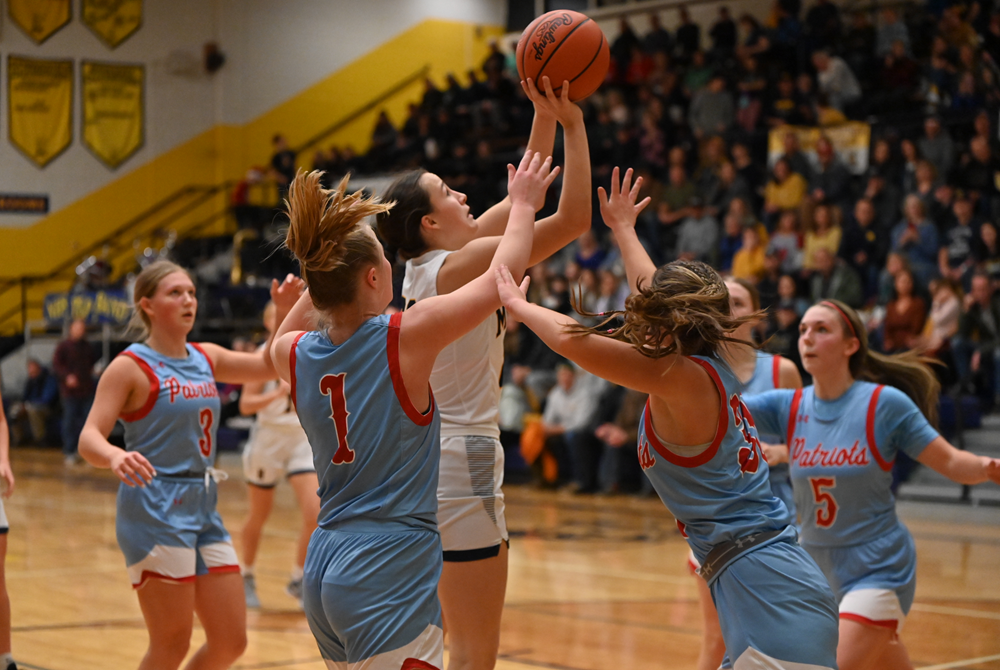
121 237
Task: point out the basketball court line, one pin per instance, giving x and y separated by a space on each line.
956 611
531 608
278 664
959 664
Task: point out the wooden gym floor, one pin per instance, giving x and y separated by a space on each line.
595 582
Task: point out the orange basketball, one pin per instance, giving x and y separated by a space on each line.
564 46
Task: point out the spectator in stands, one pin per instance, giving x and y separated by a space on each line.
712 111
786 242
797 160
823 25
698 74
728 186
836 81
884 163
658 39
784 107
747 169
957 257
859 48
282 162
73 363
831 180
942 322
620 471
748 262
977 344
916 239
785 191
611 293
723 34
834 279
788 293
698 236
988 252
864 244
979 176
755 43
904 317
568 410
885 198
926 183
937 146
37 404
730 242
891 30
688 37
752 87
899 78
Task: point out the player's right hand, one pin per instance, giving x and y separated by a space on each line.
619 210
531 180
132 468
548 103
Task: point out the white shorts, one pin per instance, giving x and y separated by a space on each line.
470 502
4 526
874 607
273 451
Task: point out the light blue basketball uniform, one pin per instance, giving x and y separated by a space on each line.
775 608
841 454
170 529
766 377
373 564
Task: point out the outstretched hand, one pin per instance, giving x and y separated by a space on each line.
531 180
510 292
559 106
287 293
620 209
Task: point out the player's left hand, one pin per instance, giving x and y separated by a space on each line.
287 293
774 453
619 209
993 470
7 477
549 104
510 292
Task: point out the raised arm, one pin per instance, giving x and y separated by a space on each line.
431 324
619 211
959 466
552 233
493 221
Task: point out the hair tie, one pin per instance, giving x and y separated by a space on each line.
842 314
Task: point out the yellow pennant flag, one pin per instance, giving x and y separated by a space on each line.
40 19
40 105
113 21
113 110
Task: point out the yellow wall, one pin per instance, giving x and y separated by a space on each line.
224 152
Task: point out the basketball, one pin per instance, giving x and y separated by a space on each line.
564 46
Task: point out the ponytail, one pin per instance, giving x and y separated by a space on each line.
399 227
909 371
326 233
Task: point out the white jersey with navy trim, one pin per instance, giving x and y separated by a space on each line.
466 376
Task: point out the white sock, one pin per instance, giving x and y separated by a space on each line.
247 571
296 573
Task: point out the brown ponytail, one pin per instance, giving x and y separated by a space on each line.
399 227
686 300
327 236
909 371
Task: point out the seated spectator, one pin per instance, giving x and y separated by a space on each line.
730 243
687 40
926 183
787 243
36 406
977 344
836 81
697 75
783 107
942 322
883 162
833 279
831 180
282 162
728 186
937 146
785 191
797 160
904 317
748 170
822 232
620 470
611 293
658 39
899 79
957 257
767 287
752 87
782 334
748 262
884 197
712 111
589 253
978 175
698 234
568 410
723 33
755 43
917 239
891 30
788 293
863 245
987 252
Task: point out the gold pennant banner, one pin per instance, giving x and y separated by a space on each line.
113 110
40 106
113 21
40 19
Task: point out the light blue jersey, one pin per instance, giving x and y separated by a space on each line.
775 607
376 456
170 529
175 430
373 565
702 491
766 377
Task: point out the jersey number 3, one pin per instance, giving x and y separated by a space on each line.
826 506
205 420
333 386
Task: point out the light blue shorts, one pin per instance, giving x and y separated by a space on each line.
372 596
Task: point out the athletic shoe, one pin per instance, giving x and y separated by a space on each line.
250 592
294 589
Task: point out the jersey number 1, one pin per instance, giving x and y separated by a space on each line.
826 506
205 420
333 386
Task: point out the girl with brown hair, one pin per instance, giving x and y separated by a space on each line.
179 555
698 444
844 433
360 386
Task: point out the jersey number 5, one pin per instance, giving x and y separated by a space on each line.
826 510
205 419
333 386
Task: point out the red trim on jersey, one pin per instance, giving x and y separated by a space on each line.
392 350
720 431
891 624
149 574
154 390
793 416
291 366
870 431
202 352
417 664
223 569
692 566
776 371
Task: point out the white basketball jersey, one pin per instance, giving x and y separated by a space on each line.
466 376
278 412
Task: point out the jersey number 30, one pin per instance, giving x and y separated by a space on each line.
333 386
826 506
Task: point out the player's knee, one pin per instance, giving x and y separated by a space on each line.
170 646
471 655
232 645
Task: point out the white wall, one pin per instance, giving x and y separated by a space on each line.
274 50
